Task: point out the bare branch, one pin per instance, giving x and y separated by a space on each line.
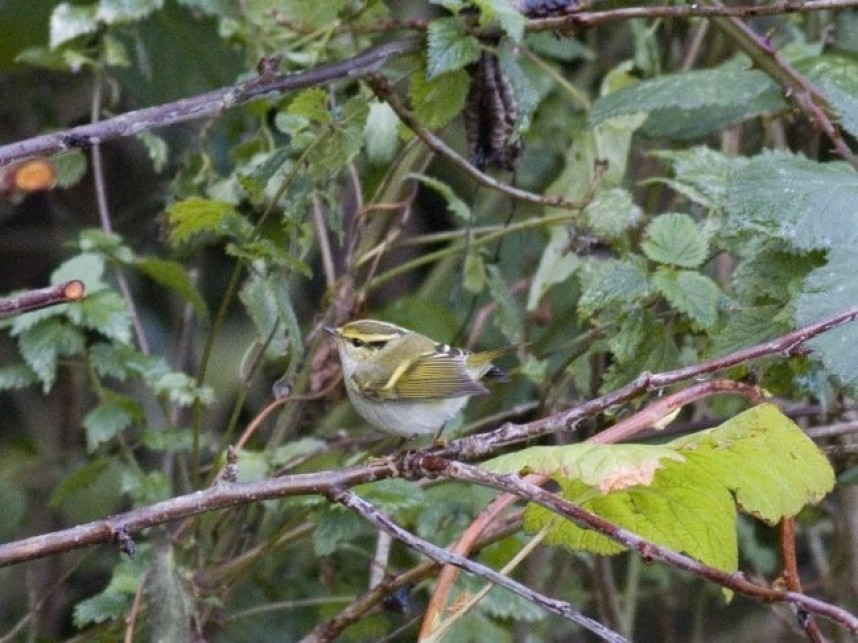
205 105
42 298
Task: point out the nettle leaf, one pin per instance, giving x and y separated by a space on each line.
682 495
675 239
694 103
45 343
172 275
437 101
643 343
701 174
773 274
690 293
182 389
17 376
196 217
336 528
105 312
748 327
612 212
837 75
311 104
826 291
449 47
806 204
611 282
115 414
115 600
347 139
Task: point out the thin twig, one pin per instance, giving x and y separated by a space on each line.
41 298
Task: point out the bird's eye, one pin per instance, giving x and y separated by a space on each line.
357 343
377 344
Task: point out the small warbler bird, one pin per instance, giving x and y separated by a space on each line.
404 383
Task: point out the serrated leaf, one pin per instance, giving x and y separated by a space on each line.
681 495
437 101
42 345
336 528
172 275
748 327
611 282
16 376
311 104
181 389
826 291
612 213
837 75
701 174
690 293
675 239
652 347
624 344
773 274
214 219
693 103
109 419
104 312
100 608
766 461
346 140
392 496
449 46
256 175
806 204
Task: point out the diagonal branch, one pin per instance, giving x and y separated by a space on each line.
210 104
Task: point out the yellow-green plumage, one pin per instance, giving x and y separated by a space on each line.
405 383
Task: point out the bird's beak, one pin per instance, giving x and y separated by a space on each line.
330 331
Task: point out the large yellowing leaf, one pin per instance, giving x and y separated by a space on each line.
682 495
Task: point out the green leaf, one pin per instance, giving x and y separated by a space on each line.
475 278
437 101
337 528
455 205
502 12
675 239
690 293
380 133
212 219
694 103
559 261
311 104
90 492
748 327
682 495
169 440
122 11
182 389
172 275
508 318
828 290
449 47
393 496
611 282
146 488
104 312
69 21
643 343
70 167
612 213
109 419
772 274
101 607
157 149
701 174
42 345
16 376
837 75
806 204
346 141
768 463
